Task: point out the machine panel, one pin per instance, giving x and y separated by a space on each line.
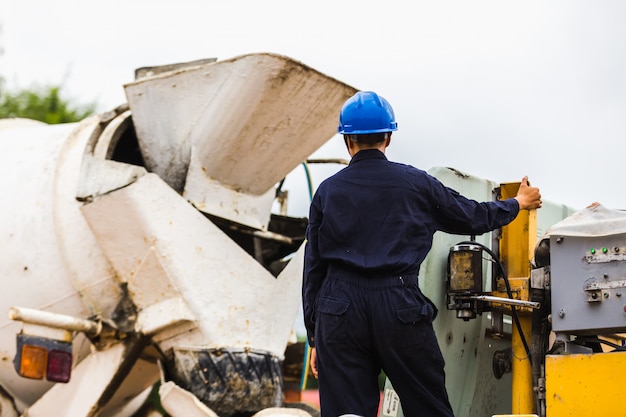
588 278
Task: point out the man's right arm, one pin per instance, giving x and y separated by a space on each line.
314 271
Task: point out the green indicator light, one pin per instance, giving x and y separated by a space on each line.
604 250
592 251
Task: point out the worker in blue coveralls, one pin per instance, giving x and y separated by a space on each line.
370 227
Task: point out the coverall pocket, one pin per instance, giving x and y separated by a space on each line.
412 325
331 319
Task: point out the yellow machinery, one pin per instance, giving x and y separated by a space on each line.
566 299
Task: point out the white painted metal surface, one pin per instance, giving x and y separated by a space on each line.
79 229
282 412
90 379
227 132
178 402
50 260
164 248
58 321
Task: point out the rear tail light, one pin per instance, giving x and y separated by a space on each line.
59 365
33 362
42 357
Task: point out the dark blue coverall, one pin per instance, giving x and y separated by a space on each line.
370 227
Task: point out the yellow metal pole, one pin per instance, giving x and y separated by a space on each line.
516 250
522 376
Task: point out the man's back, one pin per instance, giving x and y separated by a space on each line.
378 215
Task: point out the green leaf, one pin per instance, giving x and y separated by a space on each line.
45 104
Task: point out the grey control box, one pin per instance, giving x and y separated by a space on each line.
588 284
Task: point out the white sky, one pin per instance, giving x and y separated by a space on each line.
498 89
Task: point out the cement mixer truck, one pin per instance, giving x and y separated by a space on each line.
143 244
148 247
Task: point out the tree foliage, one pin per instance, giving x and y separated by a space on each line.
45 104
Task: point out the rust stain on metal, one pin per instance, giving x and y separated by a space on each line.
458 173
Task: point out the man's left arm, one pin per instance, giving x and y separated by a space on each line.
458 214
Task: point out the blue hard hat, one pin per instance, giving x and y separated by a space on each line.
364 113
